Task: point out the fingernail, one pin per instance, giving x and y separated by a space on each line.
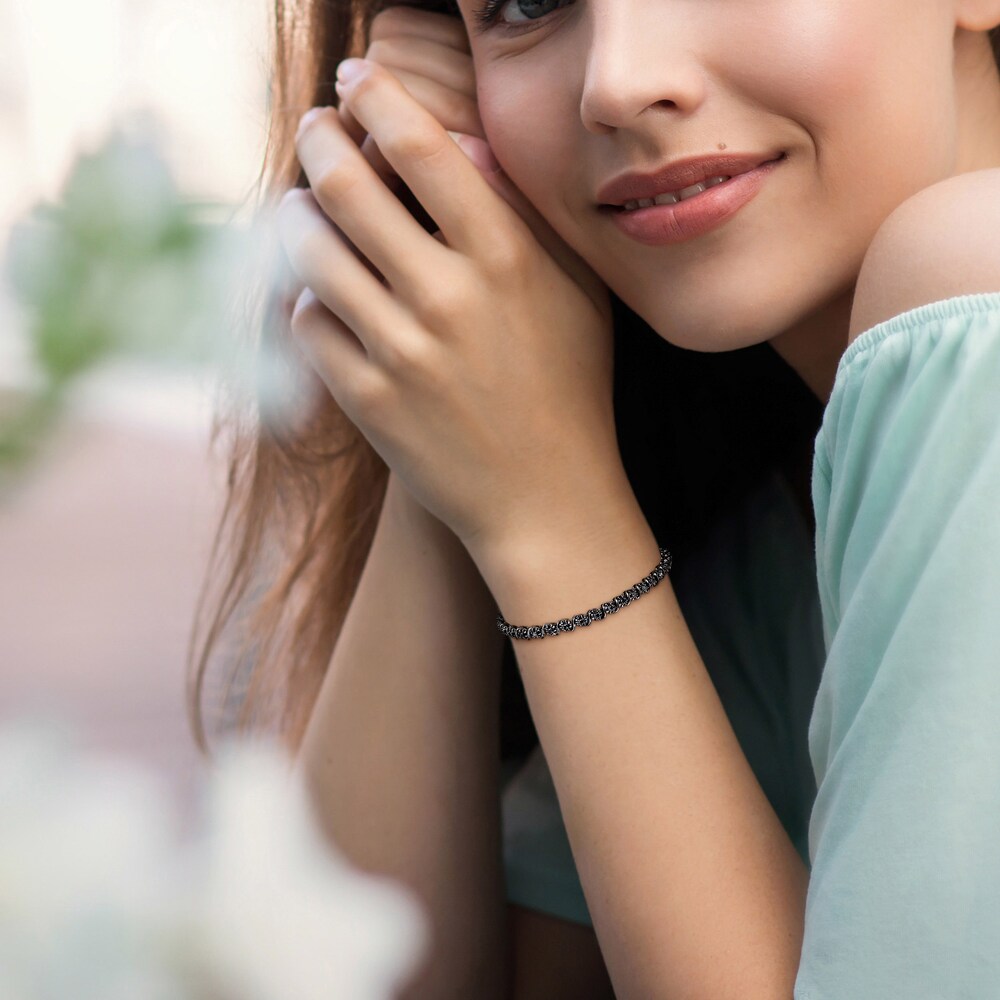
477 150
308 117
348 69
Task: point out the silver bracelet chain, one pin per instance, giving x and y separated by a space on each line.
625 598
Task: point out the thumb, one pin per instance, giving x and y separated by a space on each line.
480 154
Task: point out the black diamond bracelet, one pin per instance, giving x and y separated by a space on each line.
625 598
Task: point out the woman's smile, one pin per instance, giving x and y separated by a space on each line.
657 225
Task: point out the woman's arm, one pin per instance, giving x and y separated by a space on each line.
401 751
693 885
642 752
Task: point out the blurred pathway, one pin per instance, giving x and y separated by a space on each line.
102 552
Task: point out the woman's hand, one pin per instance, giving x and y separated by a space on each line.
480 365
428 52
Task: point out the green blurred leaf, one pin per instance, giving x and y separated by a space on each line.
121 264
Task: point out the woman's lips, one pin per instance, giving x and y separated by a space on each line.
685 220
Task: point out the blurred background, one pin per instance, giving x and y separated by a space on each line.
131 136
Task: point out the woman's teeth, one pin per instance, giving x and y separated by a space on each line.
672 197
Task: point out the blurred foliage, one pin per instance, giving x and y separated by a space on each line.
122 264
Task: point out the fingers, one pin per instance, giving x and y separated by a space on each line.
334 354
455 111
412 21
326 264
363 207
419 149
428 58
286 285
381 166
454 108
426 50
352 126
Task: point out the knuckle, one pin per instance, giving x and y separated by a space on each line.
389 21
406 355
506 257
336 181
441 305
421 147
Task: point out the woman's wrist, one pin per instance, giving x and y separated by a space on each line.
538 575
402 504
427 534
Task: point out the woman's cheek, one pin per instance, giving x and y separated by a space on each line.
508 120
519 132
818 64
871 89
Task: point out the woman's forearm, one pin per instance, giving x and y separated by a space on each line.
694 887
401 751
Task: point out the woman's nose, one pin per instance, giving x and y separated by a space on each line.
634 62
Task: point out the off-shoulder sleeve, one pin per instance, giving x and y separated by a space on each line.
904 836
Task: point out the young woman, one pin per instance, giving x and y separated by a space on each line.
524 392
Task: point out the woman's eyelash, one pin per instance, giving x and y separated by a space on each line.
489 13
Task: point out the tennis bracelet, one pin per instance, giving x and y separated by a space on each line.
625 598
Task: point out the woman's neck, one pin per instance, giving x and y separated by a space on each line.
814 346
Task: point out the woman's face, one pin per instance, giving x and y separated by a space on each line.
859 94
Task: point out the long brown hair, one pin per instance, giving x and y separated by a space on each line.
303 499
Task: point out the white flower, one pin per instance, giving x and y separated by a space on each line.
85 873
286 915
100 901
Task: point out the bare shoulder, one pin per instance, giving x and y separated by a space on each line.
941 242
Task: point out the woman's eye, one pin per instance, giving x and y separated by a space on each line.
488 13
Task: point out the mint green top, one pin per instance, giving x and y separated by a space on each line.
872 656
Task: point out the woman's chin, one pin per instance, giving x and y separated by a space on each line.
705 325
